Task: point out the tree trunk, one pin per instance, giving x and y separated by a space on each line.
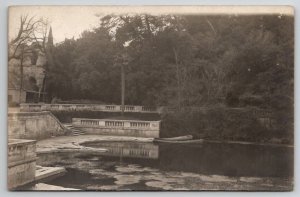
122 88
148 26
42 89
21 75
178 79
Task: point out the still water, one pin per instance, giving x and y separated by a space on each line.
199 166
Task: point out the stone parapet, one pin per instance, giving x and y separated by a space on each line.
35 107
21 162
134 128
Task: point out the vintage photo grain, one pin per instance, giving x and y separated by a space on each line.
151 98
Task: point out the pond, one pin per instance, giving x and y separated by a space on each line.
161 166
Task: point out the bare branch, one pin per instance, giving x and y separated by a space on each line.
30 30
211 26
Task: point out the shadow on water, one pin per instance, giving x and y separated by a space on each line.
228 159
81 179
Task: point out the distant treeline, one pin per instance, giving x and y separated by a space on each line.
179 60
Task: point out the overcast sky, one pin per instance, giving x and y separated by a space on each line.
71 21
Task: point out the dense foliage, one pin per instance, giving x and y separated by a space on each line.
224 63
181 61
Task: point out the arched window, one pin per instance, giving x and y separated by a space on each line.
32 83
34 57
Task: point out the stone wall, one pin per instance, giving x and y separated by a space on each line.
21 162
35 69
37 72
120 132
14 96
33 125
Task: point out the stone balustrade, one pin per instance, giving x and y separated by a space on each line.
33 107
134 128
21 162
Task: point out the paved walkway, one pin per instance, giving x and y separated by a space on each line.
73 143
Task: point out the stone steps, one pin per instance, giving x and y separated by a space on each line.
42 172
75 131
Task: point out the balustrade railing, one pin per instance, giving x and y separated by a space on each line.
53 107
135 128
108 123
28 107
110 107
89 122
149 109
114 124
139 124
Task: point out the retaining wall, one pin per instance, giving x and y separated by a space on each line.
33 125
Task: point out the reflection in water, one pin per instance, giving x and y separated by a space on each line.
205 158
147 161
127 149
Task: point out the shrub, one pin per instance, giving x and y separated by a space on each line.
221 123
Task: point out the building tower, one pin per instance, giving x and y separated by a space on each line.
50 39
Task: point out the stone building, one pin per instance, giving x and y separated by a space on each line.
26 76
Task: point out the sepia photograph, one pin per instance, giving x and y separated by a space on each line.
150 98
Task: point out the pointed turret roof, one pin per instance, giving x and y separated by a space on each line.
50 37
